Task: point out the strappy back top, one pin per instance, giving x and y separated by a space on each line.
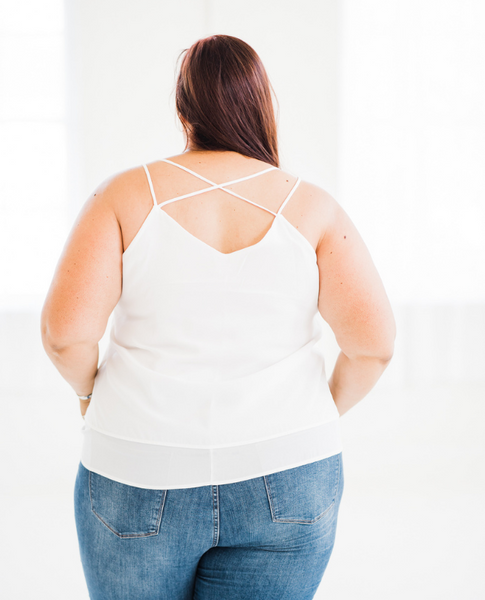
221 186
214 371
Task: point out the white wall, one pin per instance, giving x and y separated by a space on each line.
33 182
411 166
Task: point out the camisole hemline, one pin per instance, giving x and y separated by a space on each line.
151 466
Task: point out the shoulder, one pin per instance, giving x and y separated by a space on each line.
113 209
117 192
317 197
318 205
314 196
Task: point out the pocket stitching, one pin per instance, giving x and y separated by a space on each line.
128 535
274 509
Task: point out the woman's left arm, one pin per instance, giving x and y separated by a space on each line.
85 289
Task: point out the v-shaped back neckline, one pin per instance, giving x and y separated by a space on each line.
211 248
277 216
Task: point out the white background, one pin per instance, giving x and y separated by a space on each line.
381 103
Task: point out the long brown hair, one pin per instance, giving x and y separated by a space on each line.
223 99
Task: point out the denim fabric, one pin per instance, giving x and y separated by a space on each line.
267 538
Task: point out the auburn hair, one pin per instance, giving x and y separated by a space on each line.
223 99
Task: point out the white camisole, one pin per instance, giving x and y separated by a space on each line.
214 372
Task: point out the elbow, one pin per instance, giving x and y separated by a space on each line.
62 328
390 350
44 332
378 348
383 357
381 353
386 357
57 336
56 346
51 340
386 352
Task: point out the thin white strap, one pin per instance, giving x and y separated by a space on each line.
213 188
289 196
151 185
218 184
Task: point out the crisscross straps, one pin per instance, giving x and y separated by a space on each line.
215 186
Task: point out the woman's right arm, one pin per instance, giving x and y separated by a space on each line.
353 301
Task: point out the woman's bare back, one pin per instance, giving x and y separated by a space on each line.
219 219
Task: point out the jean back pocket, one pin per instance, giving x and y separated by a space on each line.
127 511
306 493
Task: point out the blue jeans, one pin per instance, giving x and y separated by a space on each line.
267 538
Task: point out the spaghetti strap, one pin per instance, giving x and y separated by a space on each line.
151 185
211 182
215 186
289 196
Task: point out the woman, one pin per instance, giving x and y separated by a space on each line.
212 458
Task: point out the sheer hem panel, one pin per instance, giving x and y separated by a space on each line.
152 466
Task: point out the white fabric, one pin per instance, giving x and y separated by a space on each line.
157 467
214 371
